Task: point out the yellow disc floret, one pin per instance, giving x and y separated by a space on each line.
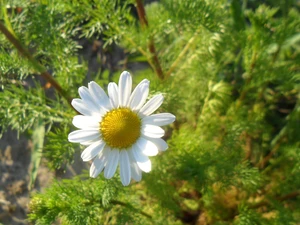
120 128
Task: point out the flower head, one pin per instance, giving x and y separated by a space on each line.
119 128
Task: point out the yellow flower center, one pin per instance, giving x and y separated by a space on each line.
120 128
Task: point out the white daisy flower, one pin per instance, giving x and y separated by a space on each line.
119 128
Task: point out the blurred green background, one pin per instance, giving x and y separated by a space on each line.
229 71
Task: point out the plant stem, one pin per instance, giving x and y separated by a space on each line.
182 53
6 21
248 80
248 146
200 117
36 65
275 144
141 51
141 13
151 46
116 202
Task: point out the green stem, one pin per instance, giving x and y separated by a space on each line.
206 100
182 54
6 21
142 51
36 65
116 202
248 80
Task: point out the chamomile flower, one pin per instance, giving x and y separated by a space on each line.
119 129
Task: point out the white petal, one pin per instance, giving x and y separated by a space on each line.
78 136
136 172
99 163
79 105
112 163
147 147
160 143
113 94
90 152
152 131
139 95
87 99
80 121
87 143
125 172
125 85
142 160
151 105
99 96
160 119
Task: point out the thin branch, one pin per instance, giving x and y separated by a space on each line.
141 13
151 46
248 146
264 161
140 50
131 207
289 196
182 54
36 65
248 80
275 144
206 100
155 60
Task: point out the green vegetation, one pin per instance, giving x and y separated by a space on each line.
229 71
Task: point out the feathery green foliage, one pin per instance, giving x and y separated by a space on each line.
229 71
